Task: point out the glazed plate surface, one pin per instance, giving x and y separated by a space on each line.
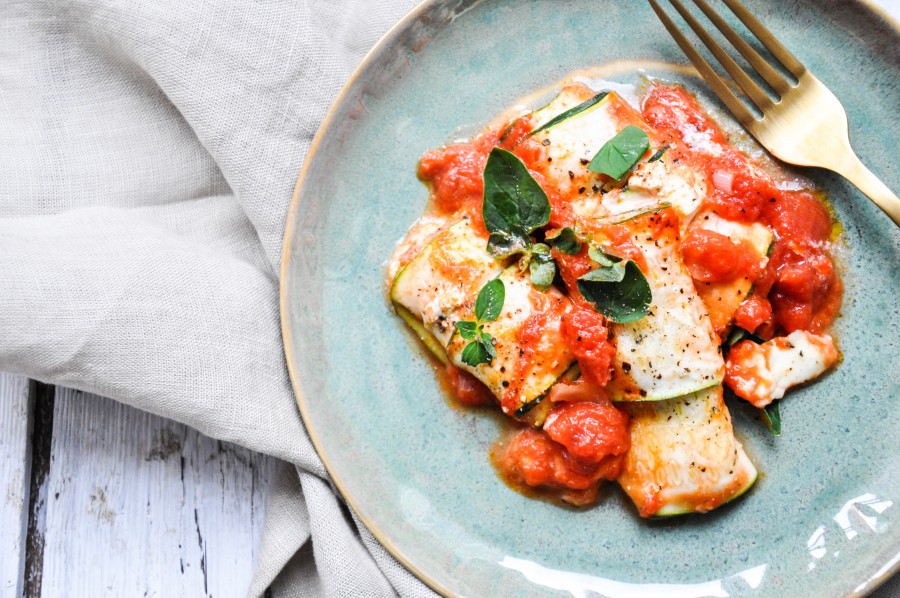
823 520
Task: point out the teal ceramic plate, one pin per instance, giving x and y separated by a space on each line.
824 519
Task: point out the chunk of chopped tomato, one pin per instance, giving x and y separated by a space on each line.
713 257
589 431
586 334
534 459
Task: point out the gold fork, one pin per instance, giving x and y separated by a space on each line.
806 125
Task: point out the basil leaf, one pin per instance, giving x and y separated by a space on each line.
466 329
570 112
474 354
601 257
502 245
514 203
772 417
659 154
489 302
542 267
621 301
620 153
566 241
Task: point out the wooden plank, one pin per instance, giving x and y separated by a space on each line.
15 433
142 506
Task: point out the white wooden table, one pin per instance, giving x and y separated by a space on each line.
99 499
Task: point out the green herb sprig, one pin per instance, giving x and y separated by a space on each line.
488 306
515 206
618 289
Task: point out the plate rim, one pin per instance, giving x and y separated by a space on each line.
384 42
286 333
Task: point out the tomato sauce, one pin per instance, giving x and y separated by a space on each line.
589 431
455 175
533 459
580 445
800 288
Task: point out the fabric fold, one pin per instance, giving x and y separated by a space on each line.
148 154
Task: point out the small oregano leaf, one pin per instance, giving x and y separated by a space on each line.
613 273
565 240
487 342
601 257
542 268
466 329
489 302
474 354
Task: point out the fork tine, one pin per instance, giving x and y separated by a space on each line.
771 43
730 100
709 75
753 91
772 77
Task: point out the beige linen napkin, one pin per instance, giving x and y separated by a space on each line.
148 152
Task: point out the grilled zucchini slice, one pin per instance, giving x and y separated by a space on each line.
438 288
673 351
531 351
440 284
684 457
571 143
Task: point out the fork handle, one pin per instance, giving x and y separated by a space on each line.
856 172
